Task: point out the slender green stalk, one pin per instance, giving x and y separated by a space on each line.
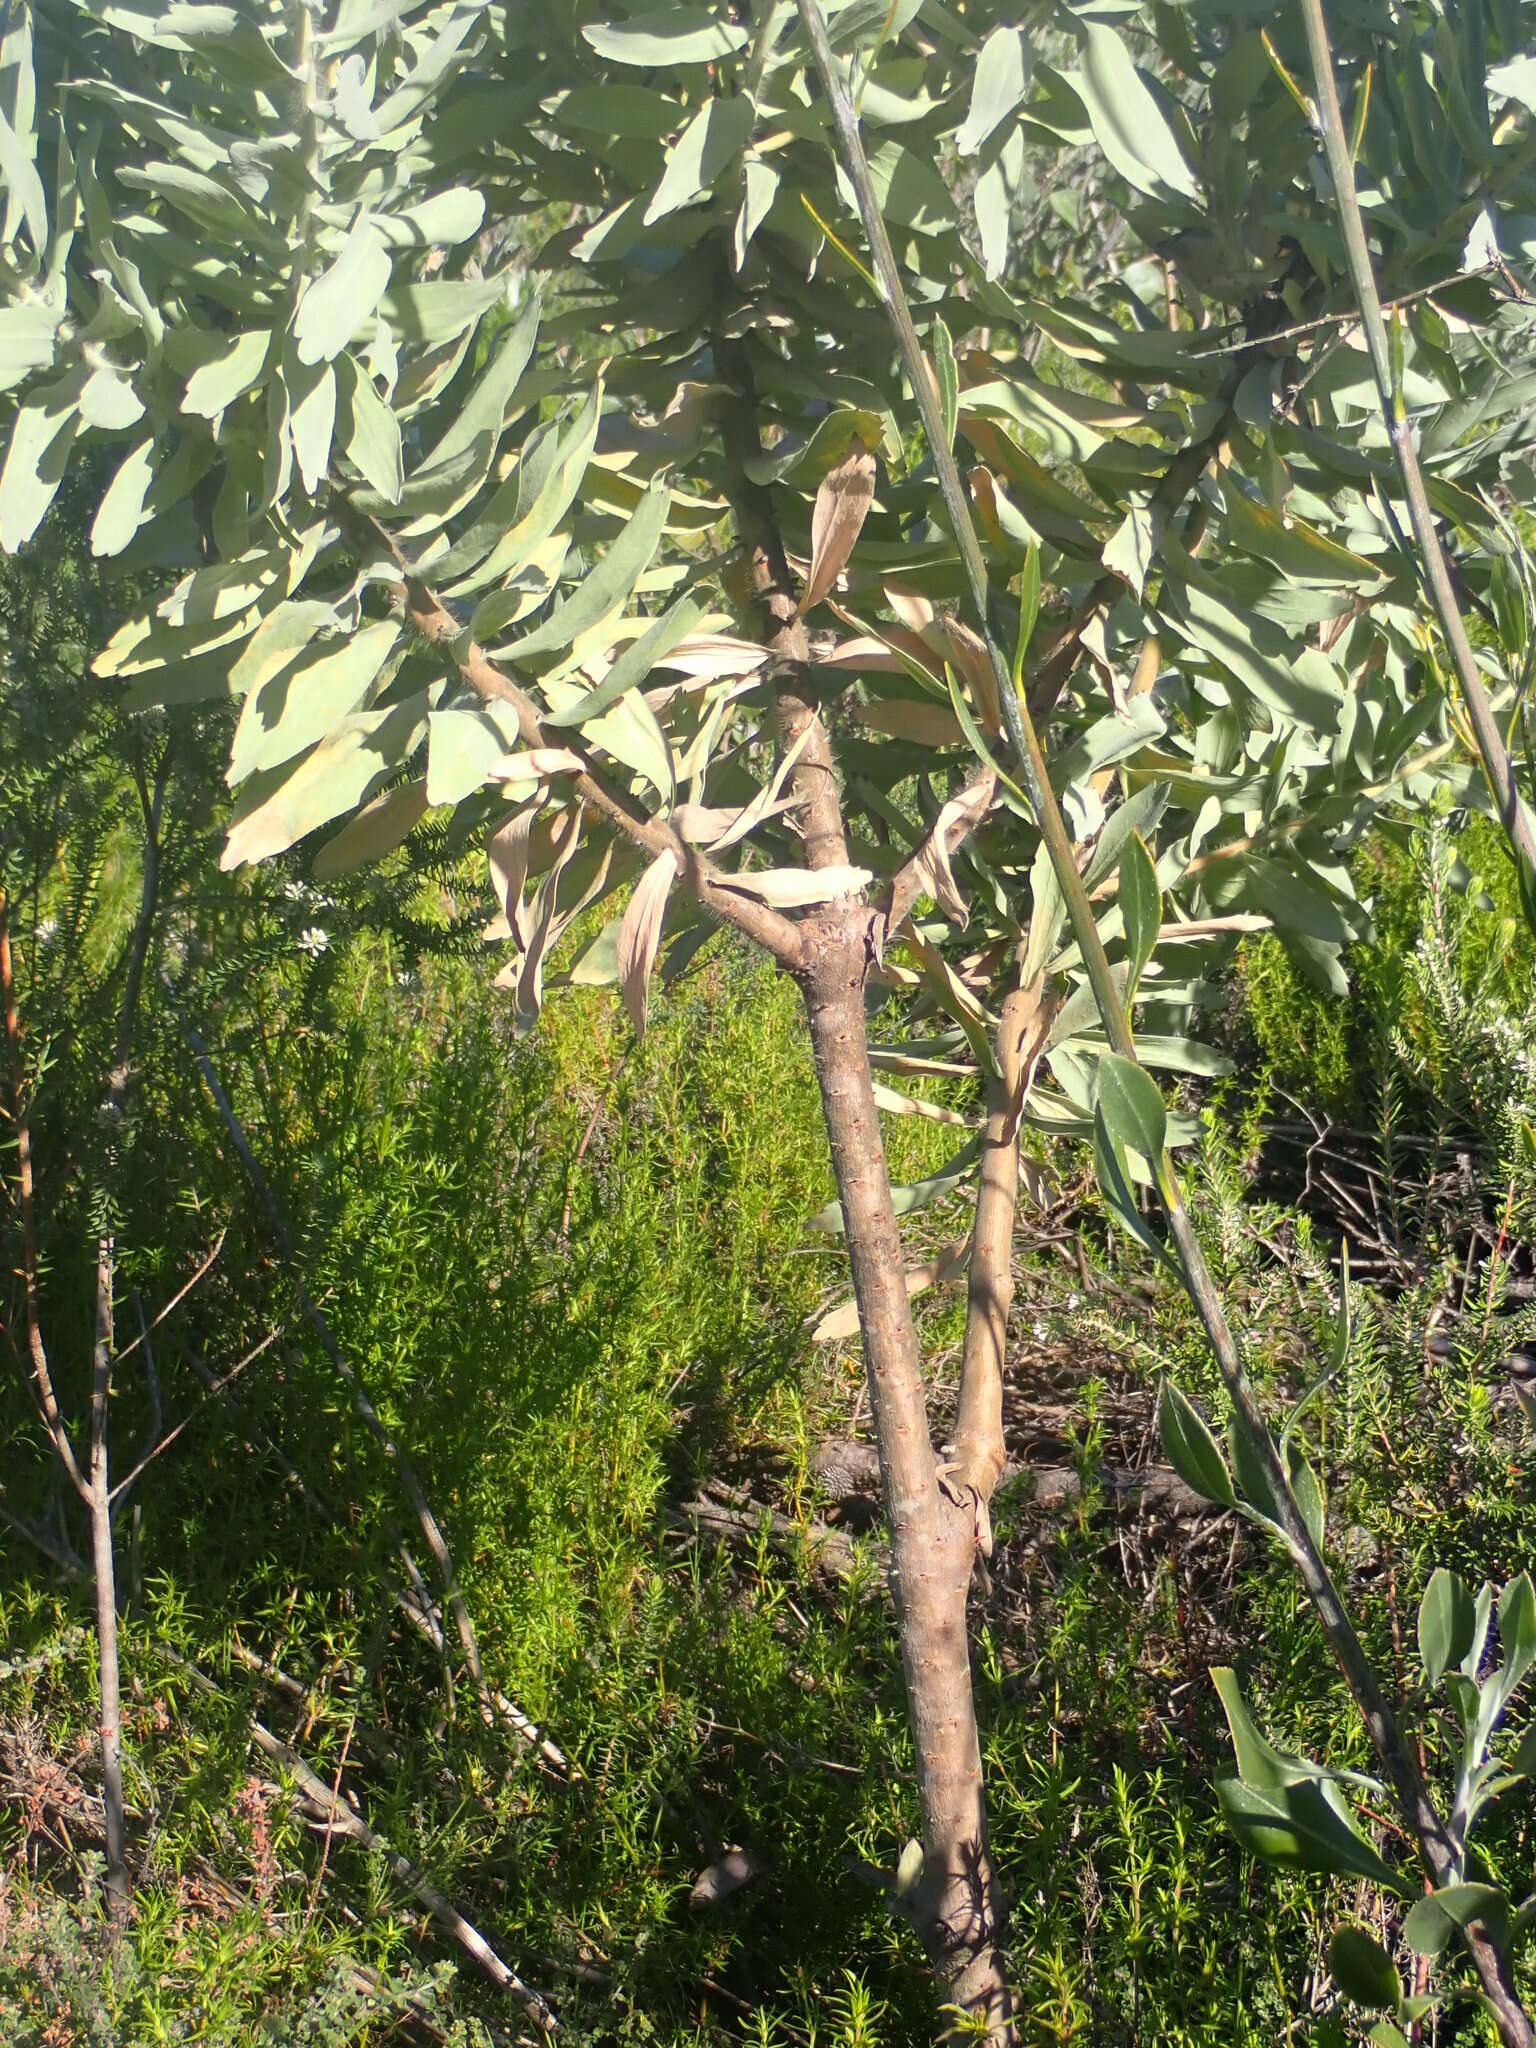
1519 826
1417 1809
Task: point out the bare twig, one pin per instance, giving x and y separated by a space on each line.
161 1444
175 1301
325 1806
42 1377
99 1497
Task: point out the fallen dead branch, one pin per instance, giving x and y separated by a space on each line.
324 1807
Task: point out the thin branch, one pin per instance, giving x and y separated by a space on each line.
42 1377
416 1605
436 625
160 1444
325 1806
977 1454
67 1561
175 1301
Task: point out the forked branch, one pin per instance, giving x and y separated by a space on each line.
1417 1809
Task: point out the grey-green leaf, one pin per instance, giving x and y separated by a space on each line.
1127 121
299 705
669 35
949 379
334 305
717 132
997 86
1191 1449
1132 1106
635 663
1141 907
1447 1618
122 508
609 584
368 430
216 384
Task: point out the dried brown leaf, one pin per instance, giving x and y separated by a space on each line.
842 1322
1031 1023
842 502
929 871
640 935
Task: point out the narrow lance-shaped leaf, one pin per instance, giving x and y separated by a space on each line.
1132 1106
842 501
1446 1621
608 585
1191 1449
1141 906
948 377
997 86
634 664
640 935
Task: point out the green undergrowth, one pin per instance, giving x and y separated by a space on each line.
574 1276
1436 1028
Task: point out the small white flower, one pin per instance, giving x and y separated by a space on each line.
46 927
314 941
296 892
1041 1332
1071 1301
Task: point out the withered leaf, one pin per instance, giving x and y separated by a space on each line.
928 872
842 1322
844 498
640 935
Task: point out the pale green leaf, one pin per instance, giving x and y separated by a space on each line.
998 84
311 419
368 431
122 508
1132 1106
1128 124
635 663
345 768
298 706
608 585
220 381
333 306
669 35
716 133
464 742
42 436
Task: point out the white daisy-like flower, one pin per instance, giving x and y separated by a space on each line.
314 940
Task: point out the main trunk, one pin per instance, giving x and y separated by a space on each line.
956 1906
